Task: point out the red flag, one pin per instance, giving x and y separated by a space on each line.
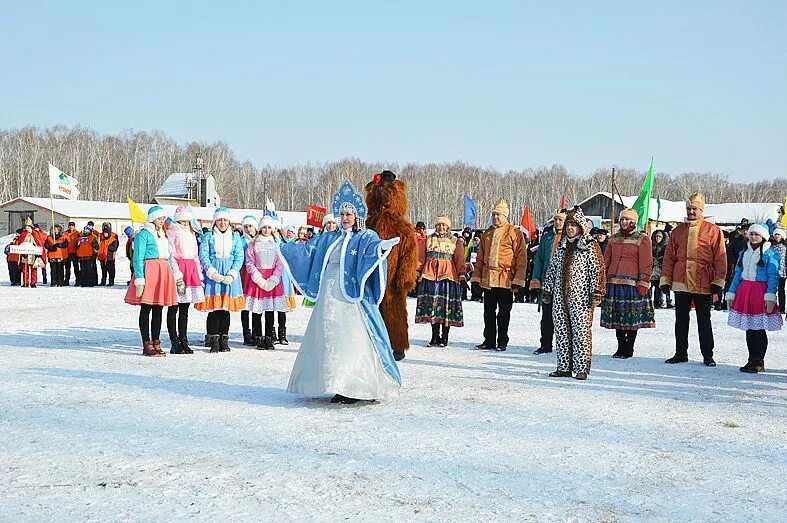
562 202
527 223
314 215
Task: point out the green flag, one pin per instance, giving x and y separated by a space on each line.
642 205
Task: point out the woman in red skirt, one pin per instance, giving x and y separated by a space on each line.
154 284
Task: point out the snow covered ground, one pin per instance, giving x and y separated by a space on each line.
91 430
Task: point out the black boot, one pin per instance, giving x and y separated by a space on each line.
270 335
435 335
207 342
283 335
184 344
259 341
213 342
399 356
444 337
621 337
175 347
632 337
224 343
678 358
248 339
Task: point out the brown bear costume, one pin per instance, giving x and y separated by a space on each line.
386 200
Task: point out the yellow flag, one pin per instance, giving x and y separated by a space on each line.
783 221
137 216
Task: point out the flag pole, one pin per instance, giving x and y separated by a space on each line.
612 212
51 209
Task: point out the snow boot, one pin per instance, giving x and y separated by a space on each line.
175 347
206 343
435 336
581 376
213 342
283 336
267 343
444 337
485 346
677 358
224 343
184 344
542 350
157 347
749 367
398 356
709 361
248 339
149 350
560 374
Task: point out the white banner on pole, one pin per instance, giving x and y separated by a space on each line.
61 184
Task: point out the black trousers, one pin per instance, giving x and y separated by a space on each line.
702 306
757 342
178 320
72 260
497 315
256 323
58 272
150 321
108 269
14 274
244 320
218 322
43 275
781 295
88 272
547 326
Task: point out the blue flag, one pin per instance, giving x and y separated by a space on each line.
469 211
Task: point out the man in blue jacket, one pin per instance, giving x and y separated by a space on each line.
546 248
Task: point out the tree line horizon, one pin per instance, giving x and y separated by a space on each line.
110 167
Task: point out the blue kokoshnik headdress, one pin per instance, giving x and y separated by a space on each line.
348 199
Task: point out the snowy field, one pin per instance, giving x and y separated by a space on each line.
92 431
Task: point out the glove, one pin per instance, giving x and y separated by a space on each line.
769 306
715 289
665 288
259 280
730 297
139 290
642 290
181 286
535 285
270 284
228 279
214 275
515 287
546 298
595 298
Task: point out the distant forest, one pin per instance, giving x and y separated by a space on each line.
135 163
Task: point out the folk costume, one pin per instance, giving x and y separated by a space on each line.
441 269
154 285
346 350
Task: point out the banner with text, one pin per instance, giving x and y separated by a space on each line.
314 215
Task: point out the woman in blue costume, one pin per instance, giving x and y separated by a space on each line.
346 350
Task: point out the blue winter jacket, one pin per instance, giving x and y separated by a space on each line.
768 271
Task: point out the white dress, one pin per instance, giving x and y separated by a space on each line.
337 355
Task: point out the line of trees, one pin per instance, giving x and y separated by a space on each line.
136 163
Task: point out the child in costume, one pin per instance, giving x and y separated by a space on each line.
752 296
221 255
345 350
154 284
185 252
263 288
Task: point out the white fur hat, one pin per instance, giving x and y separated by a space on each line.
266 221
329 217
221 212
249 220
183 213
759 229
781 232
155 212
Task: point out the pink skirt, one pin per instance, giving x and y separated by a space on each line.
194 291
159 286
748 309
259 300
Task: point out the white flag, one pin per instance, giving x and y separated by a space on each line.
61 184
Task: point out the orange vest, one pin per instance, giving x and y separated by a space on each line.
103 245
73 238
85 246
60 253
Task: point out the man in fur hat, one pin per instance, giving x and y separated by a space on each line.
694 267
500 271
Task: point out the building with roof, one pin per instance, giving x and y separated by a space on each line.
14 213
188 189
667 211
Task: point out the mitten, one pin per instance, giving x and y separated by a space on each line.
139 290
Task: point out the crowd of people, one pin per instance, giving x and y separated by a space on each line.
258 269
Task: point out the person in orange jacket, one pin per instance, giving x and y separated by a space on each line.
56 245
12 259
107 247
87 251
72 235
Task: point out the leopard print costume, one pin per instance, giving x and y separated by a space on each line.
576 273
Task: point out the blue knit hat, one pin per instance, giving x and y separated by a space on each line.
155 212
221 212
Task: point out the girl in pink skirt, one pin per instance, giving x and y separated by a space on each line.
185 256
753 296
264 290
154 285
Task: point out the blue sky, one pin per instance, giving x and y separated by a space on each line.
702 86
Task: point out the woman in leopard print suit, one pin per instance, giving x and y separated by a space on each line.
575 283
